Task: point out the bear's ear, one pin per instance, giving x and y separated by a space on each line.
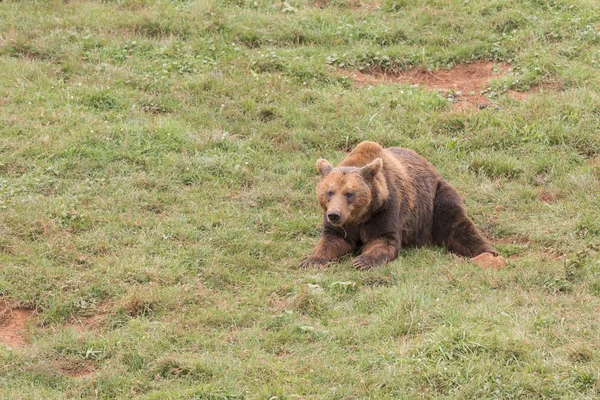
371 169
324 166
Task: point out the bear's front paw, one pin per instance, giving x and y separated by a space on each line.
314 262
364 262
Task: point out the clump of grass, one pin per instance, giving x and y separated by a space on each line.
497 166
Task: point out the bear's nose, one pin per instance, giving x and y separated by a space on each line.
333 216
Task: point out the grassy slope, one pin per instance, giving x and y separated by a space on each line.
157 168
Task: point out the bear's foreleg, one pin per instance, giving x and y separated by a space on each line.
378 252
329 248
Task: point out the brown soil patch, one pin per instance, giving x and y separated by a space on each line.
551 255
515 239
78 370
464 85
89 323
547 197
94 322
13 324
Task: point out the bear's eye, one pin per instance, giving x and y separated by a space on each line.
329 193
349 195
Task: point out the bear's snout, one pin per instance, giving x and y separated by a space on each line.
333 217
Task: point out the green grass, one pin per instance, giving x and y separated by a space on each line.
157 173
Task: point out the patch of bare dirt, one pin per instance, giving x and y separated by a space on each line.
13 324
514 239
89 323
547 197
94 322
551 255
464 84
78 370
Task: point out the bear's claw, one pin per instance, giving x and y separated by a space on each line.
314 262
363 262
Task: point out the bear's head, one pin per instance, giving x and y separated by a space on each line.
345 193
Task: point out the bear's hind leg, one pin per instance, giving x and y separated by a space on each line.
451 226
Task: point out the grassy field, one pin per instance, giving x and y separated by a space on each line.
157 174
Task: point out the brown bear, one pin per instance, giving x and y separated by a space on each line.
378 200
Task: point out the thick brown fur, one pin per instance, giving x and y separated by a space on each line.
379 200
